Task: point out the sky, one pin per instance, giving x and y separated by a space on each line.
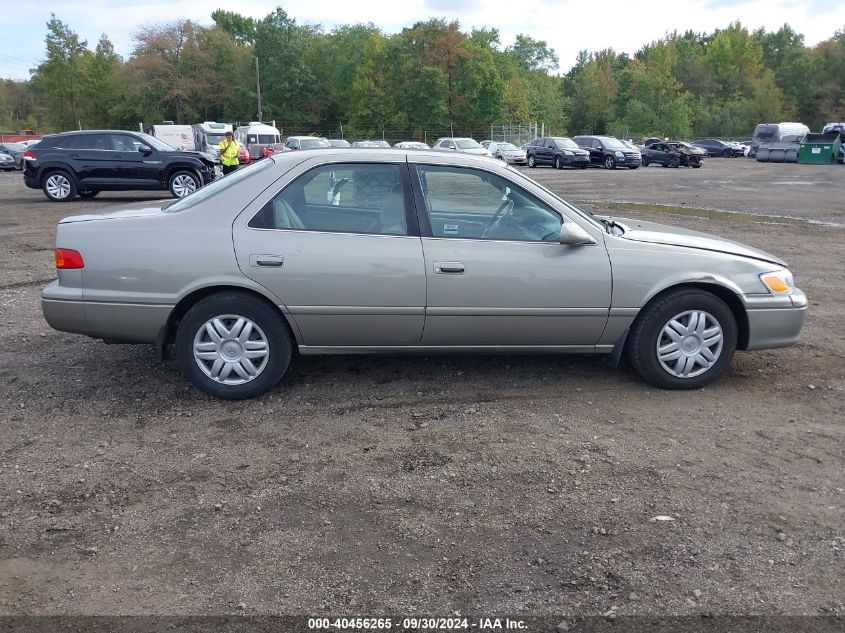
568 26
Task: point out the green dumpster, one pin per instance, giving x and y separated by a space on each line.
819 149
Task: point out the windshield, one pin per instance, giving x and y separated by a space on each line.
314 143
507 147
214 139
612 143
217 186
765 132
565 143
467 143
153 142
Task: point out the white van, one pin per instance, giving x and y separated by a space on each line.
178 136
207 136
256 136
776 133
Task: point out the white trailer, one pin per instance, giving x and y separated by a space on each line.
178 136
256 136
207 136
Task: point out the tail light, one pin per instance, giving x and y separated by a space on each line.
67 259
28 155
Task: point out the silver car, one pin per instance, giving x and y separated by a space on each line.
396 251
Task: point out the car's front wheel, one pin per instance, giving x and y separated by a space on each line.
675 162
609 162
558 163
58 186
233 345
532 162
183 183
684 340
644 161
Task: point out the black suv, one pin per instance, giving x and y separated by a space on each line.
86 163
609 151
558 151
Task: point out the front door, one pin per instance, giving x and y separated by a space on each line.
339 248
497 273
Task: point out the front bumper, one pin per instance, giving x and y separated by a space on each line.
576 161
779 325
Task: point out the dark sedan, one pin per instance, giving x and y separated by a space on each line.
671 154
715 147
15 150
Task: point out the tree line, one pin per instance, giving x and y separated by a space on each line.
430 77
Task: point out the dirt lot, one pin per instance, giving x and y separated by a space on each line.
498 485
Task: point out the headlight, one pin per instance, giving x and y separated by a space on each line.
619 154
779 282
566 152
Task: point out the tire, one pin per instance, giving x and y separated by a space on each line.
674 162
728 153
609 162
790 156
532 163
58 186
88 193
695 163
679 307
183 183
776 155
558 164
644 161
268 327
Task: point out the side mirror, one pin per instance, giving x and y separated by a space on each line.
146 151
574 235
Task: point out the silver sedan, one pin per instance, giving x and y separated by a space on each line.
395 251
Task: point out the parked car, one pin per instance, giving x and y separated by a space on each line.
609 152
84 163
307 142
370 144
339 142
505 151
461 144
715 147
274 148
411 145
557 151
15 150
7 163
671 154
414 253
244 157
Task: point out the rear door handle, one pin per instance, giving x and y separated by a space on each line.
266 261
449 268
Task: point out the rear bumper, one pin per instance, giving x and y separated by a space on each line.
64 310
777 327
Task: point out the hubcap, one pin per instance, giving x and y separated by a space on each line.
58 186
183 185
690 343
231 349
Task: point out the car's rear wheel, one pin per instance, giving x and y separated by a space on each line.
183 183
684 340
609 162
88 193
59 186
532 162
233 345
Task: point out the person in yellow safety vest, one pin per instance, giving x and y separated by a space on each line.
229 149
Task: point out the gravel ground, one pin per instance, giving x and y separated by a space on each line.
510 485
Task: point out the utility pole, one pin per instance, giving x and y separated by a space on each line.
258 88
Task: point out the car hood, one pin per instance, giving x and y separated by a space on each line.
139 210
476 150
654 233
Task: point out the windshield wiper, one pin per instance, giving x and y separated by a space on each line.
610 225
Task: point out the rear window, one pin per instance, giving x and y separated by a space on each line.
217 186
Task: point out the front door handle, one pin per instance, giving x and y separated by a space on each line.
449 268
266 261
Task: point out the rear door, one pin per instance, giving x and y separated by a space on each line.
340 248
